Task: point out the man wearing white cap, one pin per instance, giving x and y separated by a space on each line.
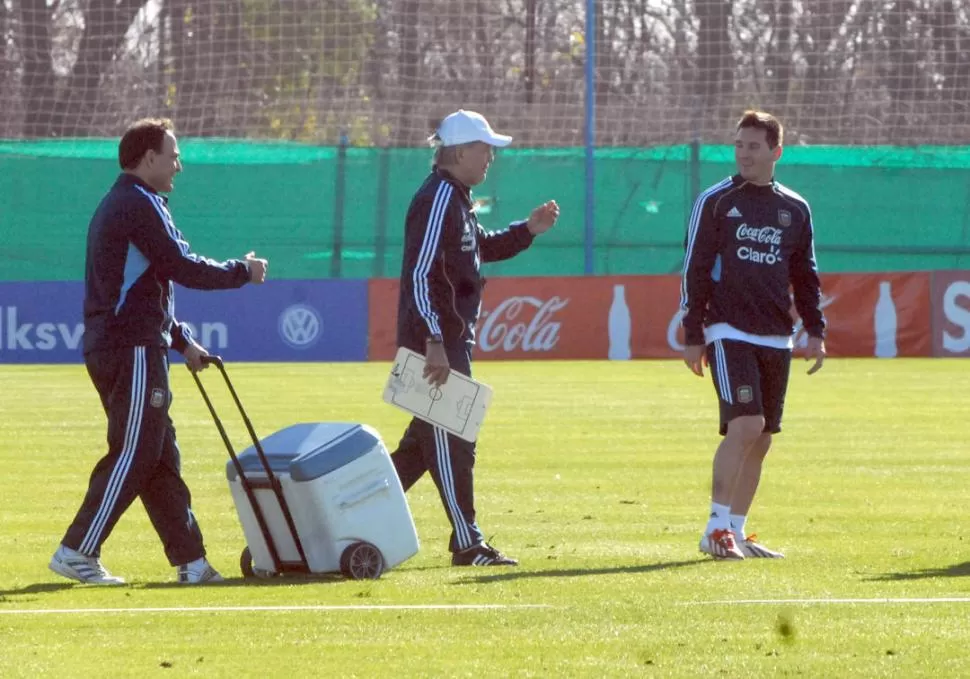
441 293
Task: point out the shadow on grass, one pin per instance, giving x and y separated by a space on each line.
275 581
954 571
582 572
299 579
318 578
37 588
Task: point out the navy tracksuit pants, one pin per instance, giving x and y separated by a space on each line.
450 460
143 457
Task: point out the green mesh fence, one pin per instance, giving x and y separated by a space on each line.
875 209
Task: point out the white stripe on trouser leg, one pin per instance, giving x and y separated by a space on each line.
448 489
132 432
723 380
125 457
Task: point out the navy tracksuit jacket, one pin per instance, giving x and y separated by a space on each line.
441 293
134 255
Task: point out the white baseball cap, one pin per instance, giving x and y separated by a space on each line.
463 127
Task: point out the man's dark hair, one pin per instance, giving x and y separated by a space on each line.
142 135
760 120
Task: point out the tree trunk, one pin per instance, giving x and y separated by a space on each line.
529 76
105 25
193 40
604 49
778 66
903 66
822 104
715 73
952 43
486 51
38 78
409 84
235 55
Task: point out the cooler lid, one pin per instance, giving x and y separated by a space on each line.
309 450
279 462
329 446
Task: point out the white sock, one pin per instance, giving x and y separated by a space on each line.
720 518
737 525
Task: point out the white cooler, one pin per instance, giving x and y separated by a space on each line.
344 496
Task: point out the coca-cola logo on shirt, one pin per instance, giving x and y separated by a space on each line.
521 322
763 234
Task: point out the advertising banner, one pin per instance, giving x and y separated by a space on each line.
879 314
624 317
325 320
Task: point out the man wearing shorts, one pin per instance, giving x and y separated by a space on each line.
749 240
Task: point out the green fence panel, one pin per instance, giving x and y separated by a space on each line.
875 209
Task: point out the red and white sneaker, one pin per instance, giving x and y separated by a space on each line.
721 545
752 550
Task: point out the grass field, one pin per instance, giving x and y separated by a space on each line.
595 475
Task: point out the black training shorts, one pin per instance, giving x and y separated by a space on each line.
749 380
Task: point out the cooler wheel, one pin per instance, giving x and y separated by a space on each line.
246 564
362 561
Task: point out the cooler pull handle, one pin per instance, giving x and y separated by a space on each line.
274 481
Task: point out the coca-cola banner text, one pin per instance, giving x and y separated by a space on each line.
951 313
533 318
622 317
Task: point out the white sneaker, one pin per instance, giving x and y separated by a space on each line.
198 572
76 566
752 550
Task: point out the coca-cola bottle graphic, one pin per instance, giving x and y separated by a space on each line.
618 326
885 322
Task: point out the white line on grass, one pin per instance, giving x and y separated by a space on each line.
739 602
251 609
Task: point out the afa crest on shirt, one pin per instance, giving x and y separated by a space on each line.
468 238
784 218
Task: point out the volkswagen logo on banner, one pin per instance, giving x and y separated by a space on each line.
300 326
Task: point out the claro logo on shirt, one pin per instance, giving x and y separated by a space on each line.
763 235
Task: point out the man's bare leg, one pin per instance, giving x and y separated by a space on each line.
744 492
742 433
